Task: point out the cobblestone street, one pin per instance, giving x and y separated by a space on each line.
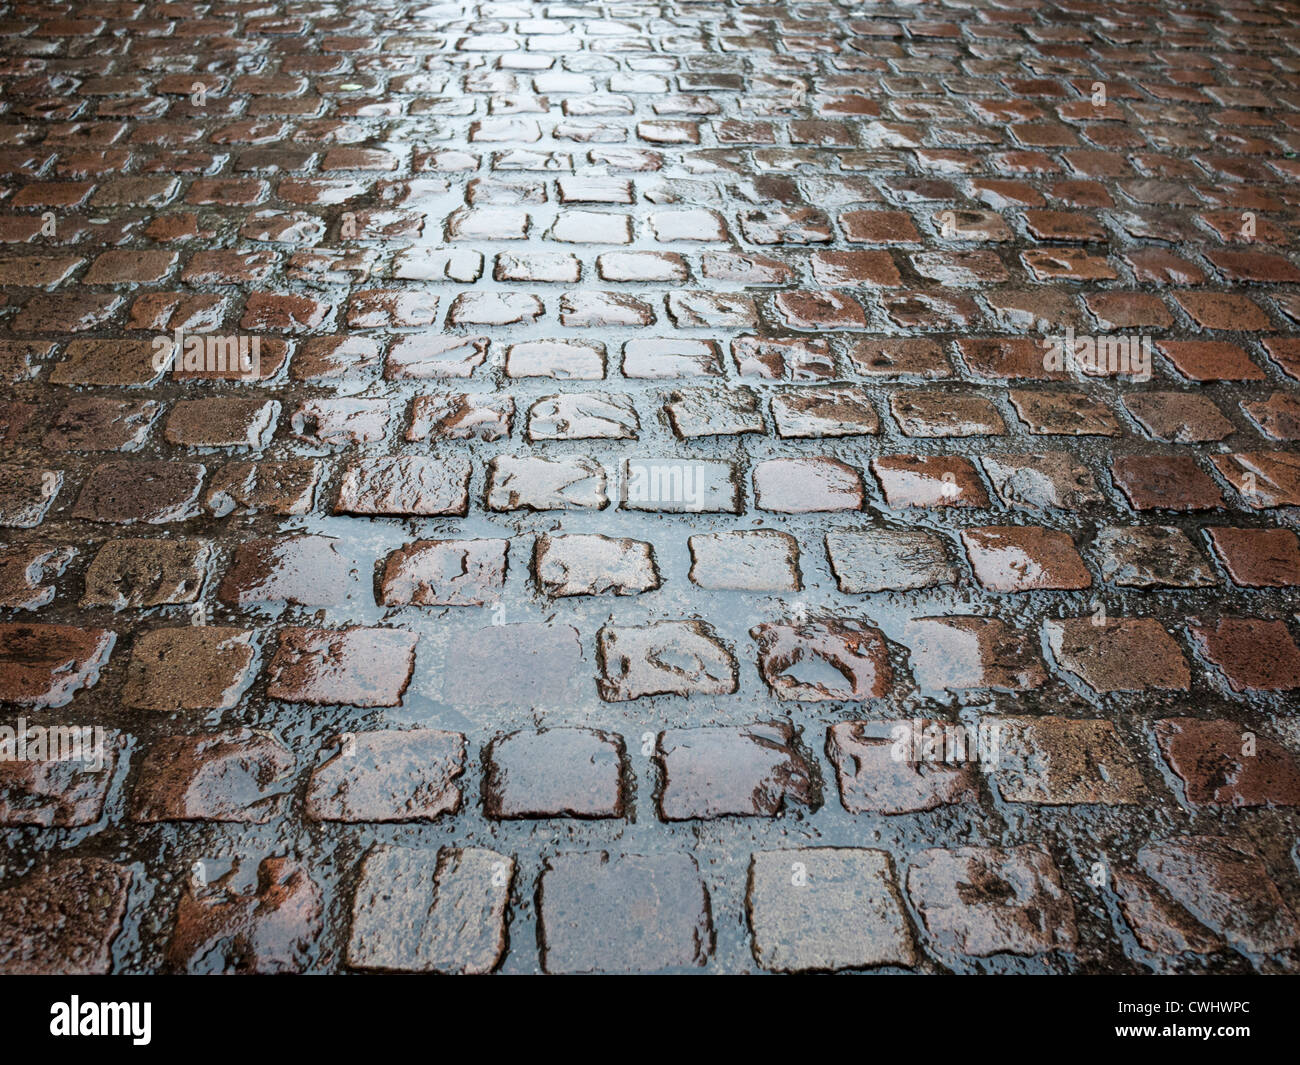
614 486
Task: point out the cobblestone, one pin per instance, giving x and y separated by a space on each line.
1151 556
269 929
46 665
355 666
615 913
567 772
57 791
1063 762
307 570
873 780
669 657
1253 654
426 911
877 560
1021 558
202 667
1226 886
62 919
219 776
1118 654
580 564
154 492
757 560
719 772
663 436
964 653
388 776
823 660
985 901
1258 558
23 571
825 909
1222 764
444 573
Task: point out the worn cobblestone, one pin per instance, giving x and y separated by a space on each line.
516 483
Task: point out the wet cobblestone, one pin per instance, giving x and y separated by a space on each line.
507 478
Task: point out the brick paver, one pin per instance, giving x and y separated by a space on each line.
619 487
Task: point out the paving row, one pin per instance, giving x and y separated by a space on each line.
648 528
